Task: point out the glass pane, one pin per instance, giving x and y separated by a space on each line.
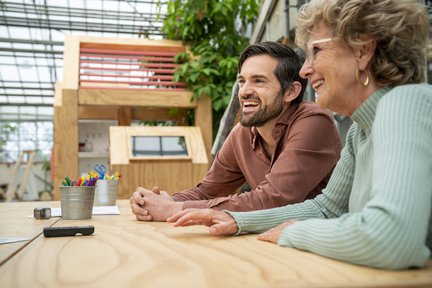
159 146
145 145
173 145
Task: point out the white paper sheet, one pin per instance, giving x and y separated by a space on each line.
6 240
97 210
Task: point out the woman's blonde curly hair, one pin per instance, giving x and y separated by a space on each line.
400 28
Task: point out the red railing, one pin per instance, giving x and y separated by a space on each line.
119 69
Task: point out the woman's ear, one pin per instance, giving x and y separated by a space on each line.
365 52
292 92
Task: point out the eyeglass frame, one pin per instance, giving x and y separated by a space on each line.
310 46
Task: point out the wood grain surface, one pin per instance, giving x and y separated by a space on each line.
14 223
124 252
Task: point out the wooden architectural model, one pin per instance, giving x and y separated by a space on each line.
129 80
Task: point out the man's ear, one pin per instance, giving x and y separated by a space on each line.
365 52
292 92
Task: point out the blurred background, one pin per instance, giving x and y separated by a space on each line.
32 35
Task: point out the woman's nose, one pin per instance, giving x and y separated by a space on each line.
306 70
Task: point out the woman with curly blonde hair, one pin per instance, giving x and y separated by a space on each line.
365 59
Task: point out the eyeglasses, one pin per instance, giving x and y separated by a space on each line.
311 48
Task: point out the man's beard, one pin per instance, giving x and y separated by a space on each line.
264 114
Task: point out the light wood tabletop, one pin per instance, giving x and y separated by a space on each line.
124 252
14 223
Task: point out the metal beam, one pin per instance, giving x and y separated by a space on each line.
85 13
27 95
30 41
25 104
30 82
57 57
29 50
80 26
25 88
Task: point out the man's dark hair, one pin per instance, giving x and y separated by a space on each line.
288 68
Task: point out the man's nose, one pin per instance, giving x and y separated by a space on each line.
246 90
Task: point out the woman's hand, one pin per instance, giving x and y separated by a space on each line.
220 223
273 234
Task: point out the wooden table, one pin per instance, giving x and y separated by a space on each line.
14 223
125 252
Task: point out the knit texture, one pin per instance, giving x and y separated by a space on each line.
376 208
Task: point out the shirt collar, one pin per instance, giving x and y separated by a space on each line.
281 124
364 116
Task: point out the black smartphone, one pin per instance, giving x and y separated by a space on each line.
68 231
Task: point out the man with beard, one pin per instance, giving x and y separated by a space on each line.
284 148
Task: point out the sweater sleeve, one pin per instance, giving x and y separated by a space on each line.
392 229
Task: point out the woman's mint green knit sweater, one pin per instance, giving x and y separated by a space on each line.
376 209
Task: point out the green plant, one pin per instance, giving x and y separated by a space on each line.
6 129
46 168
214 31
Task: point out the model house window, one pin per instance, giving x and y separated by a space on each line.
159 146
148 143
